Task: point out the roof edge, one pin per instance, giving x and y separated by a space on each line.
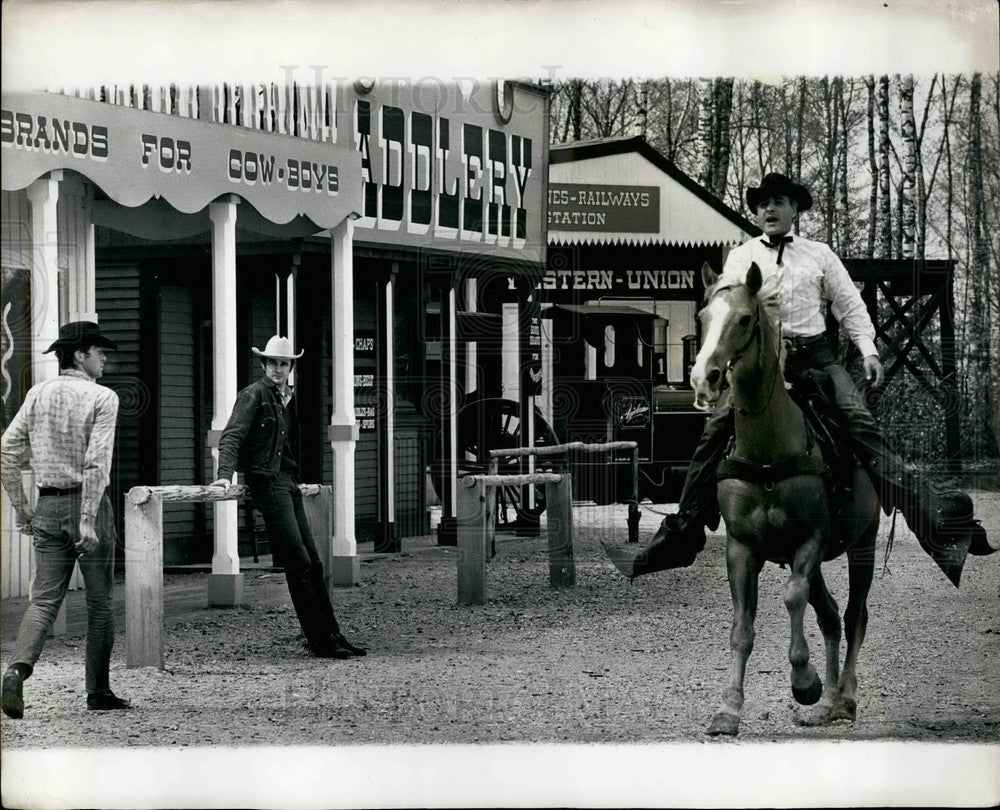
588 150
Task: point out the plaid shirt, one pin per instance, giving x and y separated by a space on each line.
810 274
65 431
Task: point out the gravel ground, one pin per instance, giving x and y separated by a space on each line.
603 662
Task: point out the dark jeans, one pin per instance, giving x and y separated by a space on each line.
898 483
56 527
292 545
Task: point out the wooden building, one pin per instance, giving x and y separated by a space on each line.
193 223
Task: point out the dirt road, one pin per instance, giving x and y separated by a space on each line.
604 662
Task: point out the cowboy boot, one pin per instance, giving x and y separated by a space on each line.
308 608
941 518
315 573
676 543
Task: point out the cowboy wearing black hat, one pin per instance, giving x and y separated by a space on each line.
262 440
810 275
65 431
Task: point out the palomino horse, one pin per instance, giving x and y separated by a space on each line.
774 500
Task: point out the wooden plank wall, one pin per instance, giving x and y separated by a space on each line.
15 251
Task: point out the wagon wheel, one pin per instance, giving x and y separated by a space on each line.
502 432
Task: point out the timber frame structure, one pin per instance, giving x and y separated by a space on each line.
914 292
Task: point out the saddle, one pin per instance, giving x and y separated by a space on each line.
812 391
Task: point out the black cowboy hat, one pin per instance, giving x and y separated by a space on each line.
774 184
77 334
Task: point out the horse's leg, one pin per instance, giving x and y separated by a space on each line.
806 684
828 617
860 573
744 568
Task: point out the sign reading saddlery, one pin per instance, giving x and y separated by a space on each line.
591 207
443 167
134 156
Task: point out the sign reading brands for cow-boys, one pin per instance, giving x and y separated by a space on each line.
134 156
591 207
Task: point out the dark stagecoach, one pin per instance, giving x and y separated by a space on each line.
607 385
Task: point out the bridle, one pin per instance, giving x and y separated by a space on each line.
755 337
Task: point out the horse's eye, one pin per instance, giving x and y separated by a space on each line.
745 320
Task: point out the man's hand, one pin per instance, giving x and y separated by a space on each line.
873 370
88 535
225 483
22 518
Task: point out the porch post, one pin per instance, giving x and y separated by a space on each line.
225 583
78 237
385 416
43 195
345 567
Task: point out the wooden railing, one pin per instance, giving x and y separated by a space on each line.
144 556
476 506
563 451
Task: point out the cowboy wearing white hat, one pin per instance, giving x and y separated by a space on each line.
261 440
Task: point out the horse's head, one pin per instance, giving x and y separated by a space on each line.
731 324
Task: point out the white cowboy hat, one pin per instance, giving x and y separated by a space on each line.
278 348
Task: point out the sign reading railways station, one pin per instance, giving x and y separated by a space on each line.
591 207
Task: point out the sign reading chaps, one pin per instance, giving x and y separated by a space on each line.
591 207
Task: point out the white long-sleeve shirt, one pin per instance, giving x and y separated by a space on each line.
810 275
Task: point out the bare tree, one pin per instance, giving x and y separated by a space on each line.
610 107
872 167
978 344
885 211
909 130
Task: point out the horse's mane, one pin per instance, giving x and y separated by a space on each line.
769 295
770 298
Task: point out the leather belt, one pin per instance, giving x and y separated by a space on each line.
56 491
798 343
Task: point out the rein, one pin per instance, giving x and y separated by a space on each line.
755 337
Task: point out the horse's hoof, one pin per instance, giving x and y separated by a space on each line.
808 695
724 724
844 709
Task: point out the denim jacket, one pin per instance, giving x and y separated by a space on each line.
254 435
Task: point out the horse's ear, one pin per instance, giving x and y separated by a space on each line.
754 279
708 275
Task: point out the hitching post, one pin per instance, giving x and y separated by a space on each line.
558 504
473 515
144 578
633 504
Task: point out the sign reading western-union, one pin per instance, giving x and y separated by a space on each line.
590 207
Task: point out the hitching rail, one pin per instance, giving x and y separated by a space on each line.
144 556
582 447
476 507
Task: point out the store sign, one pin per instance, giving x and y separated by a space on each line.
365 394
591 207
134 156
565 286
441 167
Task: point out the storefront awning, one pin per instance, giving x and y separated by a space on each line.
135 156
